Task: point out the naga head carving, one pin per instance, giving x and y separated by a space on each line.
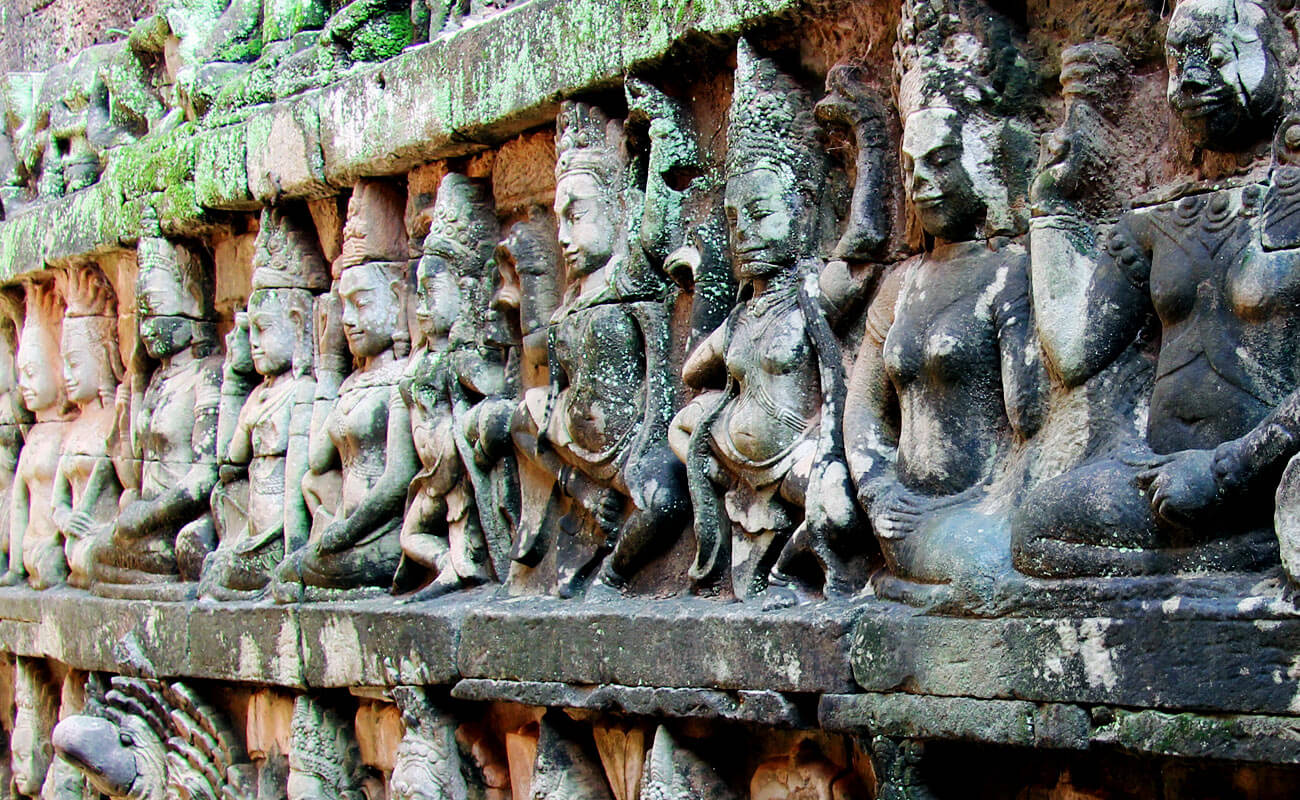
146 740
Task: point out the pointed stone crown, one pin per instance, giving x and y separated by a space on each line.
286 254
88 293
587 140
771 123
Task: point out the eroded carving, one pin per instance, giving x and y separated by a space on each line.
758 447
948 384
600 427
86 487
267 446
365 438
161 536
324 759
36 711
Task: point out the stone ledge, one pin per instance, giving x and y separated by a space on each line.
762 707
1169 662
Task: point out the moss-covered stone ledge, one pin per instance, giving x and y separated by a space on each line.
458 94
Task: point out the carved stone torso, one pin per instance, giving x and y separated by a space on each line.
37 464
358 426
85 445
425 392
266 416
166 421
942 355
771 359
600 351
1227 309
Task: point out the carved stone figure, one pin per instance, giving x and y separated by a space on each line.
775 427
147 740
681 228
428 765
354 545
600 427
160 537
14 416
673 772
565 767
36 710
1183 481
453 527
86 487
35 548
268 444
949 336
324 759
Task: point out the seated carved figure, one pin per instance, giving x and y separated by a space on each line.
268 442
765 440
172 431
448 528
947 383
1206 282
35 547
86 487
354 545
600 427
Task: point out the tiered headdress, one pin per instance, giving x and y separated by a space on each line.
174 267
287 255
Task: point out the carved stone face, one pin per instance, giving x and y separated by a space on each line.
1223 78
271 333
763 216
370 309
86 372
437 296
166 336
27 769
587 223
38 377
937 181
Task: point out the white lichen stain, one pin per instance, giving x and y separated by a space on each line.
250 656
285 665
1088 642
341 647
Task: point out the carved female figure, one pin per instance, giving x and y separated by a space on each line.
268 445
949 339
758 440
599 428
35 548
173 429
86 488
443 530
354 543
1215 275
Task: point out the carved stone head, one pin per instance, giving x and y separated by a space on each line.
775 168
373 296
173 291
526 260
452 272
286 254
589 173
965 90
92 362
36 710
936 177
1226 72
280 331
375 229
39 379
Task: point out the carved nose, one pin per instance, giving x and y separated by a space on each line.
1195 79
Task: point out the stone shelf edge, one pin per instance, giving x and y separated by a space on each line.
453 96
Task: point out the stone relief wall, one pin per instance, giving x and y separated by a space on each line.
565 400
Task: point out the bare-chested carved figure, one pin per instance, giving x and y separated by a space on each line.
35 547
354 546
268 443
600 427
86 488
172 430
